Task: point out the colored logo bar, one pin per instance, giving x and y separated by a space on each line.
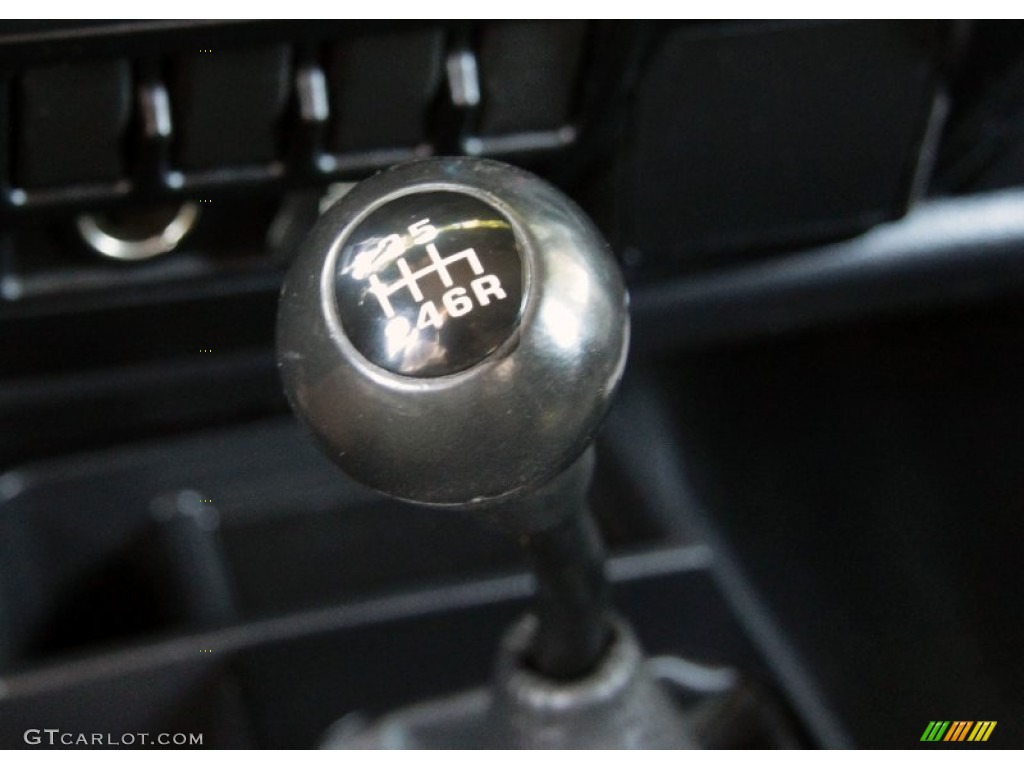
958 730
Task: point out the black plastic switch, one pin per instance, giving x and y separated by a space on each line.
72 123
381 88
5 135
528 72
228 105
776 133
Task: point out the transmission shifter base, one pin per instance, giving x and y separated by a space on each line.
627 702
618 705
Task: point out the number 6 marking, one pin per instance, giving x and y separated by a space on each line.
457 302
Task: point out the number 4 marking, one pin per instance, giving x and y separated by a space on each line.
429 316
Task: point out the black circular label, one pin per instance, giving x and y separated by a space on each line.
429 284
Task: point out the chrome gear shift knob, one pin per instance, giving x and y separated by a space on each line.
453 331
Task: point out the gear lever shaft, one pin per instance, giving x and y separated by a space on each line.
453 332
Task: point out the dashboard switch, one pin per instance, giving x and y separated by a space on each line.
529 70
72 124
383 107
5 127
228 106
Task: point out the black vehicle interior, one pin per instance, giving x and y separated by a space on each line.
811 480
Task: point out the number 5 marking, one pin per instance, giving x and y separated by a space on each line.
423 232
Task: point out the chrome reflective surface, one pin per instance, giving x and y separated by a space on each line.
105 238
430 283
508 422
